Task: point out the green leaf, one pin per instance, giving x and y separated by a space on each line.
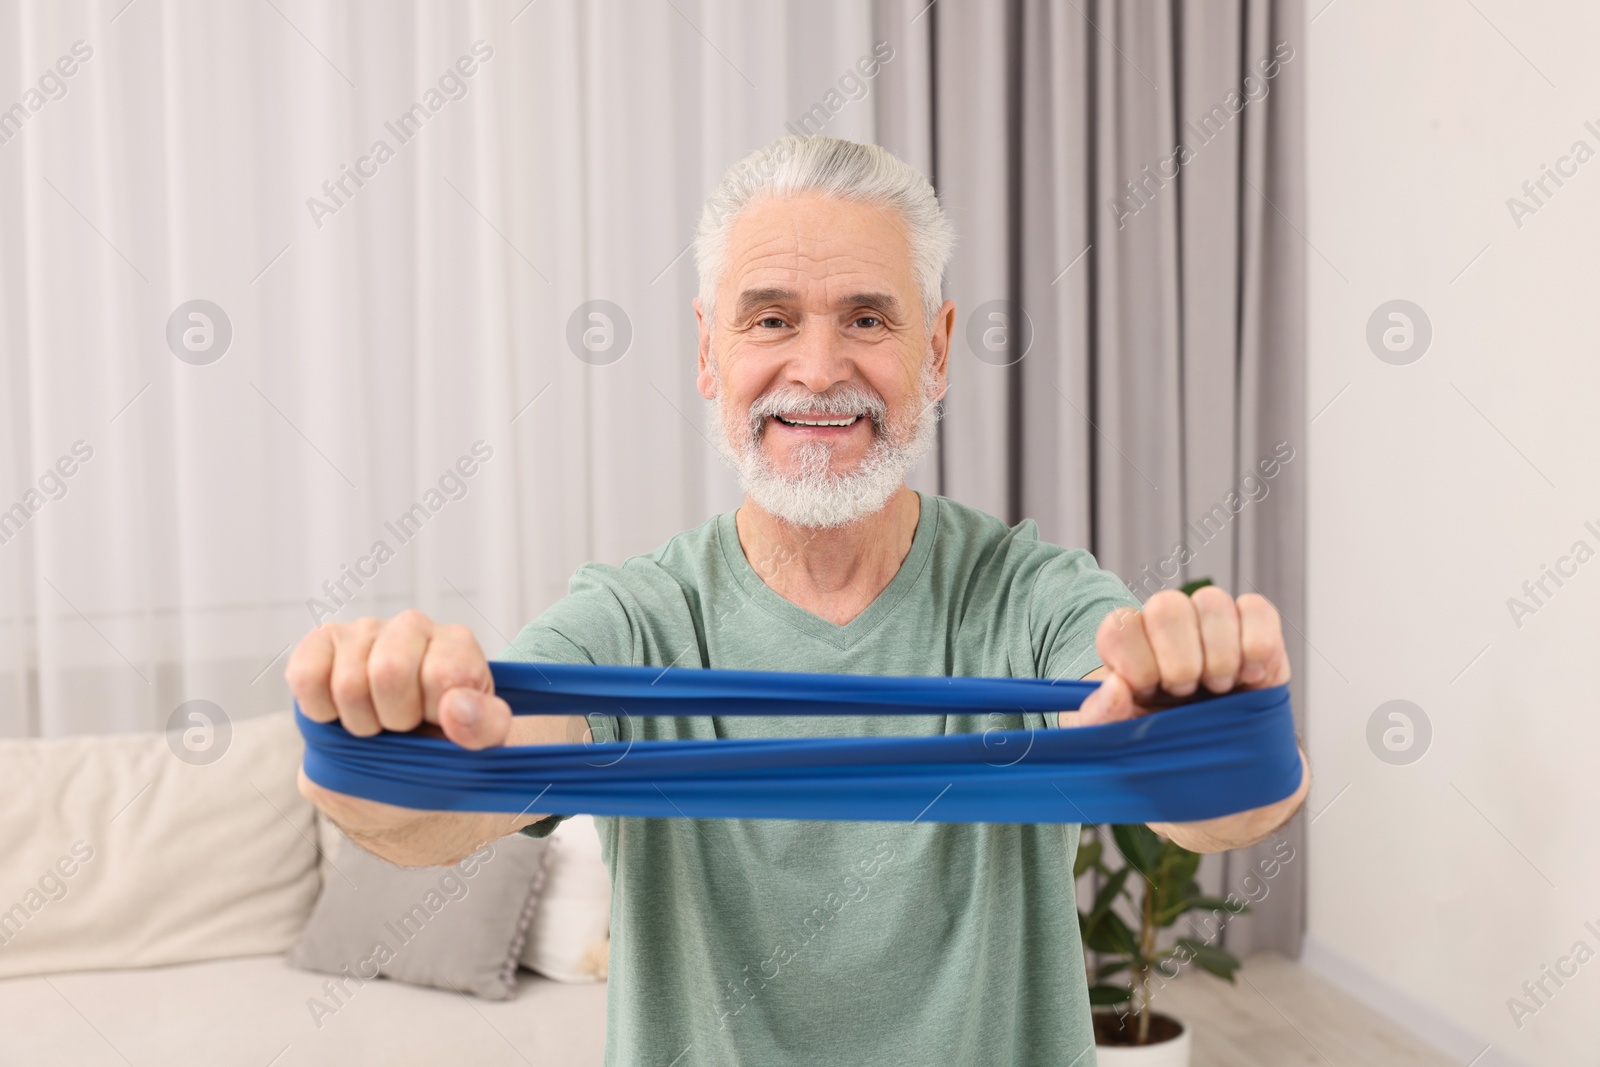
1219 962
1114 967
1103 929
1110 934
1140 846
1188 588
1174 879
1088 856
1167 917
1109 996
1164 917
1108 894
1179 864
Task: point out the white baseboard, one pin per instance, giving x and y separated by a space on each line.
1389 1000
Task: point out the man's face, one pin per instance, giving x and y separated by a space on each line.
820 371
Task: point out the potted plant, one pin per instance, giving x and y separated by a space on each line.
1128 1032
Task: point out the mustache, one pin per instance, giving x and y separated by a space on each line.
842 400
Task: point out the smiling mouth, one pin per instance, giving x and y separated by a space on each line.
837 421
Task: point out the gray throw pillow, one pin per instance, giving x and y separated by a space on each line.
457 928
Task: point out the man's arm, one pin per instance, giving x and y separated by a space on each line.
1241 829
410 673
1167 654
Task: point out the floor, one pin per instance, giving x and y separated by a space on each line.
1278 1014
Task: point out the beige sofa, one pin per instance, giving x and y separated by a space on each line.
148 893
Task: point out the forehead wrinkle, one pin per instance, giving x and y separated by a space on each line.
801 240
800 269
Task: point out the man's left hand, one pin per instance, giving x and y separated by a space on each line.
1182 648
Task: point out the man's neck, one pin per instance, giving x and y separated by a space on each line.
832 573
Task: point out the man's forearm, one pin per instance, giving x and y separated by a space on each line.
412 838
1240 829
439 838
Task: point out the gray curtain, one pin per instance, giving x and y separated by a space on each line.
1148 355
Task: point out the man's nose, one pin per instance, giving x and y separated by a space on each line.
818 358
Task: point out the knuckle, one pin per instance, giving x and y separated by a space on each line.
348 689
1257 604
306 661
1118 621
389 671
441 672
438 677
303 676
1212 597
413 619
1257 648
1165 604
456 634
1184 663
1143 675
1220 669
1181 677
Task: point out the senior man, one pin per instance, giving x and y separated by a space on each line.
824 348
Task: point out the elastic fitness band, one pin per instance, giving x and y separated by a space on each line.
1195 761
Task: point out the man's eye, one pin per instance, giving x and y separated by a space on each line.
872 321
771 320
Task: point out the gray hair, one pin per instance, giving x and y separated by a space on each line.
833 167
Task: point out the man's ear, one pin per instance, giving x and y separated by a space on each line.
944 324
705 379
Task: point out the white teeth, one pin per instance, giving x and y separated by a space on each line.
819 422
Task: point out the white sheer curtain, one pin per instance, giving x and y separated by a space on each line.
377 339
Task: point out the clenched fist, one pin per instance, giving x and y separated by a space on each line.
1165 654
397 674
411 673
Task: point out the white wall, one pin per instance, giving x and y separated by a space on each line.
1437 489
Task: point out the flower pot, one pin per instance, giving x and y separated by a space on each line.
1172 1052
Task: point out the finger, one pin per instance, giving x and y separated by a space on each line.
453 659
456 667
309 672
474 719
1219 637
1112 702
1173 630
1123 647
351 692
394 670
1263 661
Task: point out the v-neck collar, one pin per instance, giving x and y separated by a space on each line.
799 618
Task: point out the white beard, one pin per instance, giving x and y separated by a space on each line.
813 495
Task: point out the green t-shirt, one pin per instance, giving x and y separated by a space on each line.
750 941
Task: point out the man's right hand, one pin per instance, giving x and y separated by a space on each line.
406 673
397 674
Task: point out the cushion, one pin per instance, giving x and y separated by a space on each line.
135 850
568 940
458 928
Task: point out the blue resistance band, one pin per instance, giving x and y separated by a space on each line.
1196 761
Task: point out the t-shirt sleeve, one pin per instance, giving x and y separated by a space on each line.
1070 597
591 624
